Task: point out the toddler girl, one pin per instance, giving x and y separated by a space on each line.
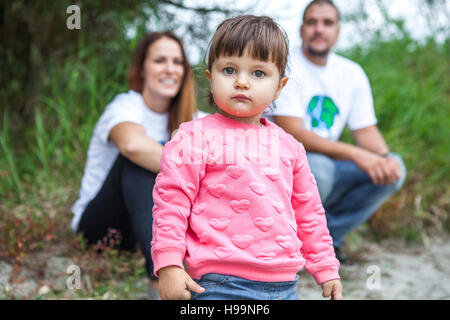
235 198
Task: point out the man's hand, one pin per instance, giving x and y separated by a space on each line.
332 288
380 169
176 284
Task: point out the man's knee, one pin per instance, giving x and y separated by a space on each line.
323 169
399 183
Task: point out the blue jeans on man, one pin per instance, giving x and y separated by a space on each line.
348 194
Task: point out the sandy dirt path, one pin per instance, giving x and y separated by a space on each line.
392 270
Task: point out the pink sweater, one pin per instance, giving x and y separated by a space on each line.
239 199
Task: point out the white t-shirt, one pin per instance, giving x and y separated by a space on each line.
126 107
326 97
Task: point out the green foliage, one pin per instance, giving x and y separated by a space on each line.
410 82
410 88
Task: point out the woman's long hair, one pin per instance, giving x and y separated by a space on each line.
182 106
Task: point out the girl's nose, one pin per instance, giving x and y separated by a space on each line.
241 82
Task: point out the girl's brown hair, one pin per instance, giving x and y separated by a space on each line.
182 106
260 35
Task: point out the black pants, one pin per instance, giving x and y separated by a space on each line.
123 204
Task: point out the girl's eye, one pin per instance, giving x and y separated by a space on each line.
229 70
259 74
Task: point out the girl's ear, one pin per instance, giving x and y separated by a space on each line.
281 85
208 75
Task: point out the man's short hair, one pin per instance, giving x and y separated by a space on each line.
321 2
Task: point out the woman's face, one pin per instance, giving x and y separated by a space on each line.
163 69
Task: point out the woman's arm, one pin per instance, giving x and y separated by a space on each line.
134 144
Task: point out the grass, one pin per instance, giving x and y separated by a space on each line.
42 162
410 84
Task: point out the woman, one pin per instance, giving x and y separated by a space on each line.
124 153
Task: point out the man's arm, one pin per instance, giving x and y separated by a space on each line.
313 142
370 139
366 155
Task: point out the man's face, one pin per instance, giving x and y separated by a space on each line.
320 29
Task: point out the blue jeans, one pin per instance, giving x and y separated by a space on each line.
348 194
223 287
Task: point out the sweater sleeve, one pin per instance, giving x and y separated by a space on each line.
175 190
317 244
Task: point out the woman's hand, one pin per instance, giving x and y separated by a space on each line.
332 288
176 284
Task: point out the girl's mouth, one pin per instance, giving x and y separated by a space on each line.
241 97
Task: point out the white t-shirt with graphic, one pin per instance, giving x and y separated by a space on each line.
125 107
326 97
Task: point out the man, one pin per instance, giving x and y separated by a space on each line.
325 93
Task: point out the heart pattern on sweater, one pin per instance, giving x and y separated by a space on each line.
166 227
295 255
235 171
319 209
286 161
284 241
273 177
309 227
315 257
303 197
242 241
204 237
271 173
199 208
278 205
240 206
223 253
327 239
300 165
288 193
188 187
258 188
219 224
166 195
217 190
251 157
174 164
266 256
264 224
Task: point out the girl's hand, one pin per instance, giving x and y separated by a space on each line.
176 284
332 288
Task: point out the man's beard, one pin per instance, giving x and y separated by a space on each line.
317 53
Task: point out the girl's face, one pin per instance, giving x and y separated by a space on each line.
243 87
163 69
